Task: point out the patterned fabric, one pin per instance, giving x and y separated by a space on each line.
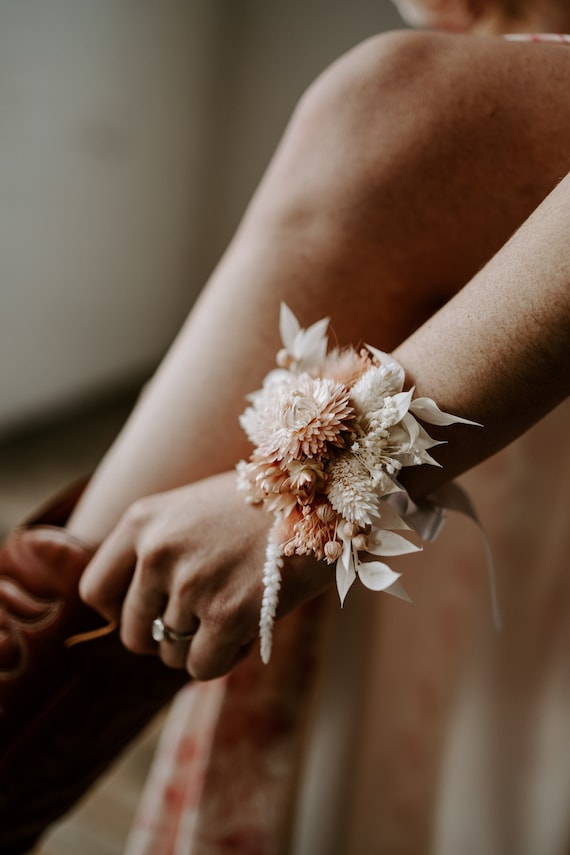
458 737
222 779
463 740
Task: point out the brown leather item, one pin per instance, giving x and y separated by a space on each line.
65 711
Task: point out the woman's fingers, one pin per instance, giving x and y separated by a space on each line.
222 628
106 579
128 582
193 557
179 621
145 601
215 650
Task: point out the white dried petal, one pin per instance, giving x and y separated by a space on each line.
351 491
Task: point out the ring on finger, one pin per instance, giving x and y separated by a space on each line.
162 632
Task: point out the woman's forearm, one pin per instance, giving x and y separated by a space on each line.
498 352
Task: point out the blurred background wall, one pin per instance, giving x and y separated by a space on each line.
132 133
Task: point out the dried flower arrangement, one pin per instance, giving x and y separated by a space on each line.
332 430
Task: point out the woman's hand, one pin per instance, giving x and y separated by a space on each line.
194 555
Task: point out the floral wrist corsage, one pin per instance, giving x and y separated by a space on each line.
332 430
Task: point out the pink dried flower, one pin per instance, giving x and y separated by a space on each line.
280 487
306 477
301 420
330 433
346 366
310 533
264 482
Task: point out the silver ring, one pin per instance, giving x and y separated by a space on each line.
162 632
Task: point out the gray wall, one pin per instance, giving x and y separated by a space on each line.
132 133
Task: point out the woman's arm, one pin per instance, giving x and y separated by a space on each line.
499 351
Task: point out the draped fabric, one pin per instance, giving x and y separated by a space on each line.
403 728
224 775
463 739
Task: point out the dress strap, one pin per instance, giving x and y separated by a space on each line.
545 38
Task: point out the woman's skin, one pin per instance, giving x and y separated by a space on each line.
405 168
487 17
198 550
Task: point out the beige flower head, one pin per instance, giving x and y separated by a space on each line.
302 420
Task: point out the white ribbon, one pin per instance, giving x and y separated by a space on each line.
428 518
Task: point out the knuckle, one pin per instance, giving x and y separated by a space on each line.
154 561
233 618
183 587
220 614
135 514
138 514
